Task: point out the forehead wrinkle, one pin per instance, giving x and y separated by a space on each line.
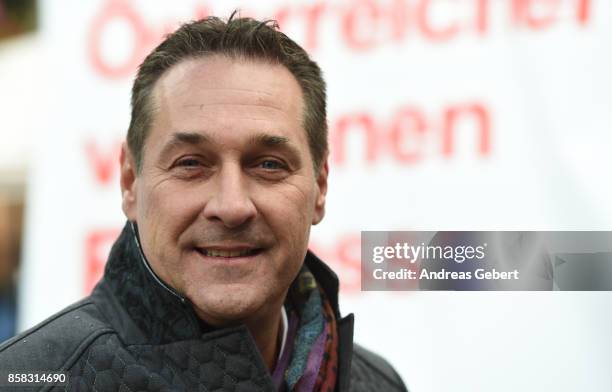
261 105
259 92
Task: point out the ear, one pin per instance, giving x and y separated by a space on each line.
128 182
321 193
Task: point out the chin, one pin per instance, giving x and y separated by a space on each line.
228 304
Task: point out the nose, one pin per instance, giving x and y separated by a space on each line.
230 203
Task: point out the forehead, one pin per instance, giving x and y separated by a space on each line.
213 93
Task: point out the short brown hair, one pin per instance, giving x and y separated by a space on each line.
237 38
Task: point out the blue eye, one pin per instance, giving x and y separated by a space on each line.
271 165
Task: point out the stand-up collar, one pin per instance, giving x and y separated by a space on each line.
158 312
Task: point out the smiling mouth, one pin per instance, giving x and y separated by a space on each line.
228 253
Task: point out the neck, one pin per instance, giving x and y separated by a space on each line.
265 331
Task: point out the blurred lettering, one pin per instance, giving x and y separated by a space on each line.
482 126
104 162
537 14
97 248
143 39
410 132
360 25
407 134
435 33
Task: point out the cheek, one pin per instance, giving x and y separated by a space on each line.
167 212
288 210
287 213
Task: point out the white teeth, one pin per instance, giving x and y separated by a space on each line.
226 253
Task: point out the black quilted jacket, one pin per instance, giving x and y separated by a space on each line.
134 334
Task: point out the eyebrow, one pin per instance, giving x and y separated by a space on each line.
266 140
273 141
181 138
189 138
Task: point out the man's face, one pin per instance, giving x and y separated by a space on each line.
227 191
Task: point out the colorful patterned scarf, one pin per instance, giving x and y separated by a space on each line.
310 361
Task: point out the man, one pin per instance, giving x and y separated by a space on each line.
210 285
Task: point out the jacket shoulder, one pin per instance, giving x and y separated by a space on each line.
371 372
55 343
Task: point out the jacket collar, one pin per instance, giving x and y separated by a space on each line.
145 310
159 314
